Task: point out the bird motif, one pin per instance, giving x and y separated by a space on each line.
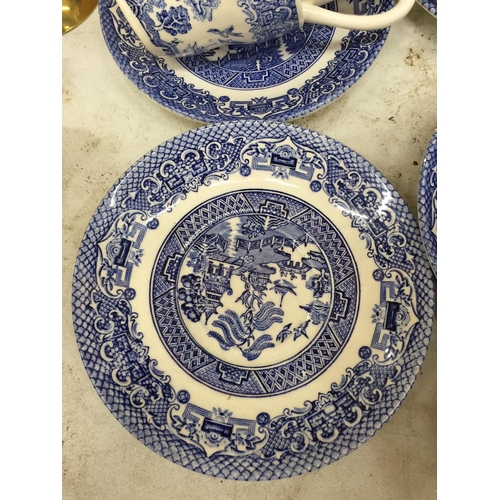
225 33
283 287
285 332
301 330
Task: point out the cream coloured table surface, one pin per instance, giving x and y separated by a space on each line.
388 117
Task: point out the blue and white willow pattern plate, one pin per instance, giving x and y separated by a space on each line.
281 80
427 201
430 6
252 300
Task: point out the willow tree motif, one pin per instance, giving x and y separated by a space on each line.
258 316
175 21
203 9
319 284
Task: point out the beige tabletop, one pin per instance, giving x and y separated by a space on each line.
388 117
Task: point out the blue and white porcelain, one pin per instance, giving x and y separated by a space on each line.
252 300
188 27
430 6
196 26
283 79
427 201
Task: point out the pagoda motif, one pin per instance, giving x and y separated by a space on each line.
217 282
294 268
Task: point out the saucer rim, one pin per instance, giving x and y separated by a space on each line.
288 115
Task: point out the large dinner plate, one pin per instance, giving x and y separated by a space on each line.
252 300
283 79
427 201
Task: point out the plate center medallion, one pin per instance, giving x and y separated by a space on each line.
245 296
254 290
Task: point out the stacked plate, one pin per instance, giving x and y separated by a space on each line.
427 201
430 6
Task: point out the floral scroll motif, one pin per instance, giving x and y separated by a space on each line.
120 251
370 211
394 316
190 170
216 432
127 359
284 158
325 418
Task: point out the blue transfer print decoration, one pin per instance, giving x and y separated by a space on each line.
203 9
120 251
274 65
427 201
183 397
157 15
260 20
268 249
234 264
262 65
430 6
270 18
174 21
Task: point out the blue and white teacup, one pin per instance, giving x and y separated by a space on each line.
186 27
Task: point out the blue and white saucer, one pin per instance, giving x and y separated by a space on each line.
282 80
430 6
427 201
252 300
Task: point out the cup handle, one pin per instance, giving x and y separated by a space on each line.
316 15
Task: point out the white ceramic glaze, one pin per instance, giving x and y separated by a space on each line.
312 13
186 27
